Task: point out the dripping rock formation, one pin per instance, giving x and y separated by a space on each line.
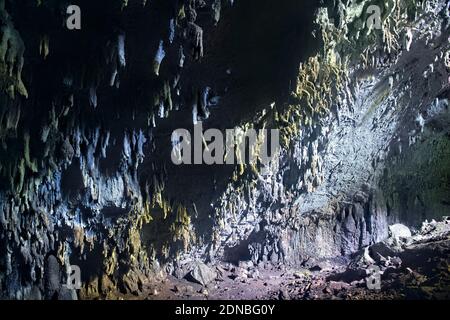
361 179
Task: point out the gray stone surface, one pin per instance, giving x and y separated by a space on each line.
203 274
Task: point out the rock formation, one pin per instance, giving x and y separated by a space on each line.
86 118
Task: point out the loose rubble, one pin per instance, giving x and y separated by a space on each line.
413 267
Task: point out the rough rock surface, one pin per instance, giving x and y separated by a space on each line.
202 274
419 270
399 231
86 119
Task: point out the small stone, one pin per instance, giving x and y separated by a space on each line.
189 290
203 291
283 295
180 273
298 275
67 294
254 274
327 290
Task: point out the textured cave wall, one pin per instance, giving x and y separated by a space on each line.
85 161
356 161
86 119
343 179
416 182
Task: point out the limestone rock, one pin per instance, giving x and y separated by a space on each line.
399 231
203 274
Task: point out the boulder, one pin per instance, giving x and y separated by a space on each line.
203 274
67 294
381 251
399 231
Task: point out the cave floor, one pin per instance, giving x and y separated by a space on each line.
274 284
410 268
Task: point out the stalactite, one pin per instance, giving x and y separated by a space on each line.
159 57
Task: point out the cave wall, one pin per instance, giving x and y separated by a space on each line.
85 161
86 118
358 165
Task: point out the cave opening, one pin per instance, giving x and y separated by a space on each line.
89 121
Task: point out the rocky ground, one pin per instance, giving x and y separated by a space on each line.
411 265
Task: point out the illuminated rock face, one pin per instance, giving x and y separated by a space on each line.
86 118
